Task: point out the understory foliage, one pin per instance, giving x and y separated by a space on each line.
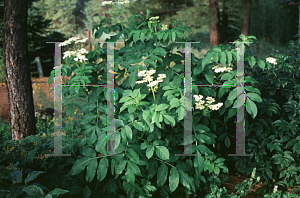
149 119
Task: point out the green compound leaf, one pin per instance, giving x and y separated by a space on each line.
227 142
31 176
136 35
150 151
162 174
223 58
229 57
134 168
255 97
128 132
261 64
121 166
232 94
170 119
252 61
173 179
80 165
251 107
159 51
162 152
138 125
132 155
161 107
186 180
91 170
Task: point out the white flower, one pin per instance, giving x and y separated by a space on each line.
199 106
149 78
222 69
253 173
162 75
271 60
69 54
122 2
82 41
258 178
152 84
152 71
79 54
142 73
67 42
154 18
164 27
210 100
107 3
153 21
139 82
199 103
73 38
198 98
80 57
216 106
82 51
275 189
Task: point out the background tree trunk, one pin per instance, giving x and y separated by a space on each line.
17 79
224 26
214 32
246 21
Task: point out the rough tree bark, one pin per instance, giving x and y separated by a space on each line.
214 32
17 79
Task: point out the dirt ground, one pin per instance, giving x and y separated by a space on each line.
42 83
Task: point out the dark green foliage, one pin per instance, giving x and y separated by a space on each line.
149 145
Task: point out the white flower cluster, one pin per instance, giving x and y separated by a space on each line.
111 3
271 60
149 78
219 69
200 102
222 69
67 42
79 54
107 3
164 27
122 2
153 19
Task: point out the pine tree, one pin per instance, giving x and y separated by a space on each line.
63 19
15 51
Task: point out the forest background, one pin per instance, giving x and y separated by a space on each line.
212 22
57 20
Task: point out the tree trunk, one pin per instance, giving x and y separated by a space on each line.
214 32
17 79
224 27
246 21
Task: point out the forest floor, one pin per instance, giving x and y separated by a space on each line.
41 96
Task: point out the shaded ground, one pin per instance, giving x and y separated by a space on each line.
41 96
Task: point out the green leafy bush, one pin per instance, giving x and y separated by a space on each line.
149 127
